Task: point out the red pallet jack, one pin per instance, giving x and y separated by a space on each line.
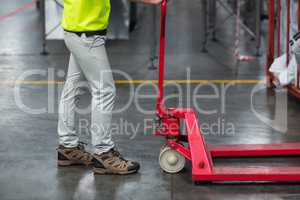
174 153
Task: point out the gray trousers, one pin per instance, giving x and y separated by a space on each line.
88 65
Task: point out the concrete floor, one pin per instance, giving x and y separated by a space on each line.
27 144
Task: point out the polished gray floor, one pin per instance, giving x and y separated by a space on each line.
27 144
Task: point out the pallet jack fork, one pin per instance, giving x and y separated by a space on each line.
173 155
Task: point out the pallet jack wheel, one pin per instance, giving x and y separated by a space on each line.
170 160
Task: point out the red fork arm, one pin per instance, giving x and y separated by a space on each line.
254 150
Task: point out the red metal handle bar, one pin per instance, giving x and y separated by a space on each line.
278 27
159 104
288 25
271 38
298 72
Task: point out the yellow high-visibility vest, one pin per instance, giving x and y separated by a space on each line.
85 15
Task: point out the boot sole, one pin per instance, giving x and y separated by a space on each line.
66 163
107 171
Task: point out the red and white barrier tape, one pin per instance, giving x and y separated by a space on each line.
18 10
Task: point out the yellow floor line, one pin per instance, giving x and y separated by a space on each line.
191 81
46 82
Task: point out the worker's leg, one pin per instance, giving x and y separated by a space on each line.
66 124
70 151
91 55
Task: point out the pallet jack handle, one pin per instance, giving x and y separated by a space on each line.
159 104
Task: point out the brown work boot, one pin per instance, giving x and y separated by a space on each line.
112 162
73 156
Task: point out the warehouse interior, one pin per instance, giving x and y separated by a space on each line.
215 62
